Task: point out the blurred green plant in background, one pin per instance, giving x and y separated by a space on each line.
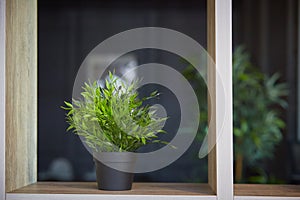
257 121
257 102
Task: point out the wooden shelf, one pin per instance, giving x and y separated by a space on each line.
138 188
88 190
267 190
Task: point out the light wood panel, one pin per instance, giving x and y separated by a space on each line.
21 93
2 99
211 81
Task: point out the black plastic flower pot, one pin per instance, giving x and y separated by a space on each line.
108 177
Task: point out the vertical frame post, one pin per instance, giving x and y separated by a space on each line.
220 160
2 99
211 81
20 93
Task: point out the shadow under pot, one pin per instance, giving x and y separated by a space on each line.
112 170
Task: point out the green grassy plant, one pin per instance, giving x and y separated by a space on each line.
113 118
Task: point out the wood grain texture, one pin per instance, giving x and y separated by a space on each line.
267 190
2 99
88 190
21 93
20 196
211 81
137 189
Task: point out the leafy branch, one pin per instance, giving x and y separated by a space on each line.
112 118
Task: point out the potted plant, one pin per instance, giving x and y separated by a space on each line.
114 122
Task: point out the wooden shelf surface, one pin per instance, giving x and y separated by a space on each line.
267 190
137 189
184 189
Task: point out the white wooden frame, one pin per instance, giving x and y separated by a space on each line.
221 180
224 145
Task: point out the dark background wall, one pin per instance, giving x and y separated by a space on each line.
69 30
